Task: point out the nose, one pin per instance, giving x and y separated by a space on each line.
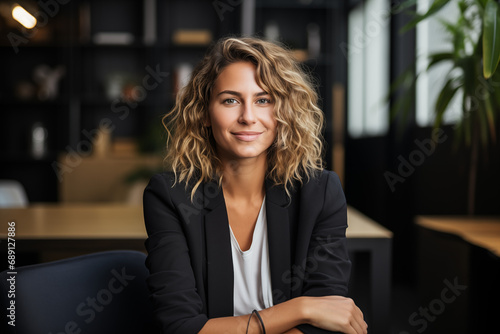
247 115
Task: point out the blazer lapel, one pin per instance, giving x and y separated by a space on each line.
220 277
278 229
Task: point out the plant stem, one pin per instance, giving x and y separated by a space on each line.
473 172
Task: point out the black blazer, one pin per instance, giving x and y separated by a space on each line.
189 248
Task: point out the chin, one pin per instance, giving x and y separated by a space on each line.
247 155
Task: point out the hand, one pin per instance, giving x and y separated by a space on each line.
335 313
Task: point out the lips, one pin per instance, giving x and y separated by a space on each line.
247 135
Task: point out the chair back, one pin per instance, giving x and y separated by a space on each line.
97 293
12 194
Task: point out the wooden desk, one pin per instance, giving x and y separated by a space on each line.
465 249
83 228
75 228
480 231
362 227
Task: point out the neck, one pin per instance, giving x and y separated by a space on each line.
244 179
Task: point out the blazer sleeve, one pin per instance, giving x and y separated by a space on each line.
328 267
177 305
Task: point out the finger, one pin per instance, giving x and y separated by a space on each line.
358 322
359 316
352 330
358 327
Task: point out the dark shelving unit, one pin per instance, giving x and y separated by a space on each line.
76 36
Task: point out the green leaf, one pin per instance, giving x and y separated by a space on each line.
439 57
404 80
445 96
468 66
434 8
452 28
402 6
481 3
402 91
491 38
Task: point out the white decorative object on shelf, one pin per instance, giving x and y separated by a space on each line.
272 31
182 75
48 80
39 136
113 38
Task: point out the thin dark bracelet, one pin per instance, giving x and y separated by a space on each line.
248 323
260 320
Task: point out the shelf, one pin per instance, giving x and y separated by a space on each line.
33 103
38 46
185 47
135 45
139 45
302 4
26 158
104 102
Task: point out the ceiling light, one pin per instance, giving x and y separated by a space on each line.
22 16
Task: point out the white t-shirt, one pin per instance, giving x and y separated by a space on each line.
252 274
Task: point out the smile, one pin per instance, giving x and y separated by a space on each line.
247 135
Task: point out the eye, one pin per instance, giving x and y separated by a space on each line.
263 101
229 101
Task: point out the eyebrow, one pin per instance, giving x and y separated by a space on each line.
232 92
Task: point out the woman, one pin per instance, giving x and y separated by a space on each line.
247 233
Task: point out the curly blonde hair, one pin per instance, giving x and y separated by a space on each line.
298 147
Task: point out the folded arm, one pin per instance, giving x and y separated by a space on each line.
331 313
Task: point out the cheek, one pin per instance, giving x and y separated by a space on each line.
273 123
219 128
220 124
213 118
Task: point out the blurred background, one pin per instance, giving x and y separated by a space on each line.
85 83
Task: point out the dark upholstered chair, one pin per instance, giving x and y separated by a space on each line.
97 293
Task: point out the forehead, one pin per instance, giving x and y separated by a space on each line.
239 75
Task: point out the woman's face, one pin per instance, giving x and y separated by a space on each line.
241 114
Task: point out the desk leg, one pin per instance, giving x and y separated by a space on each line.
380 279
381 285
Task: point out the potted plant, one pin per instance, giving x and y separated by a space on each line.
475 36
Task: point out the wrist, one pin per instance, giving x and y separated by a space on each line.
304 309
